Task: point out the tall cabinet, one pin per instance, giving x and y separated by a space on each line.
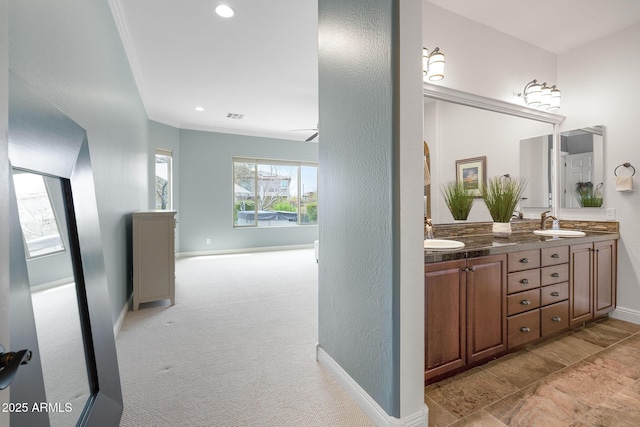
153 256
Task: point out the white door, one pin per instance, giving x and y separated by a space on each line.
578 168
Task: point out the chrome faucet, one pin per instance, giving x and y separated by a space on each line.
428 229
544 218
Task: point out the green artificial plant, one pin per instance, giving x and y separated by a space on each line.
501 195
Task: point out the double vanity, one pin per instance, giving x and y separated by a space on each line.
495 296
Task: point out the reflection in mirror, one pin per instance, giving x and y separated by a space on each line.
456 132
536 162
582 178
41 209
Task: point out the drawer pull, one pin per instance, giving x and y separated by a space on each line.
525 329
525 302
555 275
524 281
555 294
524 260
556 318
555 256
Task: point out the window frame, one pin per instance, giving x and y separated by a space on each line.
167 153
54 213
270 162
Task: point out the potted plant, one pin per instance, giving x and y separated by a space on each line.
501 195
458 200
587 196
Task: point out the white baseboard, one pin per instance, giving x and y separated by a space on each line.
243 250
121 317
626 314
369 406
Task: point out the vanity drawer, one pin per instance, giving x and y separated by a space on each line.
554 293
523 328
554 318
523 301
523 280
553 256
554 274
524 260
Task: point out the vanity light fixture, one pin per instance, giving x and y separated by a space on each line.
200 109
432 64
541 96
224 11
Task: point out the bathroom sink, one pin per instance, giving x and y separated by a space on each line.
560 233
442 245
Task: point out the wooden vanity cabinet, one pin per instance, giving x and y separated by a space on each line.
486 307
480 308
538 294
445 317
465 313
605 277
592 280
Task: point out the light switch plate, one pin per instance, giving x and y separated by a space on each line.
610 214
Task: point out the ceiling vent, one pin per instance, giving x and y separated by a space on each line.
235 116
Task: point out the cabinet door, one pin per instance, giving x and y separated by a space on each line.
605 281
445 319
486 307
580 284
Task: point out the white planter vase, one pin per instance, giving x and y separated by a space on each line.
502 229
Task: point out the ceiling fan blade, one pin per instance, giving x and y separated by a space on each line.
312 137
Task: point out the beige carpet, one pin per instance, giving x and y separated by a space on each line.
237 349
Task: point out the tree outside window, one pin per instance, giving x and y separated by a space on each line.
274 193
163 184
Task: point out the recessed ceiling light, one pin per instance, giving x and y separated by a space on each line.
199 109
224 11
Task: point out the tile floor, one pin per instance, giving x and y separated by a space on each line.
587 377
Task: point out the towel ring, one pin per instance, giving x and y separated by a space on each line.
626 165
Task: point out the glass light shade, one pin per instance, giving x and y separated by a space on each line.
545 97
425 63
532 95
224 11
554 101
436 66
546 93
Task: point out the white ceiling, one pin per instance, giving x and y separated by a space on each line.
262 63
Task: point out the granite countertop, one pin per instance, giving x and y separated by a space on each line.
486 244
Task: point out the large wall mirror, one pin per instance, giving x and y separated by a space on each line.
59 295
580 170
461 126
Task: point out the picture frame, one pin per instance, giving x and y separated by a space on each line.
472 173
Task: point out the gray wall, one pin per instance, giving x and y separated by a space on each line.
206 191
70 52
356 269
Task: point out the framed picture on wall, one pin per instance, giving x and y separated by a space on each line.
472 173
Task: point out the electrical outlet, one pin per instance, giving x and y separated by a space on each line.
610 214
208 241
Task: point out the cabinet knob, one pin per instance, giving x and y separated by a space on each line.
555 256
525 329
555 294
524 260
524 281
555 275
556 318
525 302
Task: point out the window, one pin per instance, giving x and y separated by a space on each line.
270 193
163 188
37 217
